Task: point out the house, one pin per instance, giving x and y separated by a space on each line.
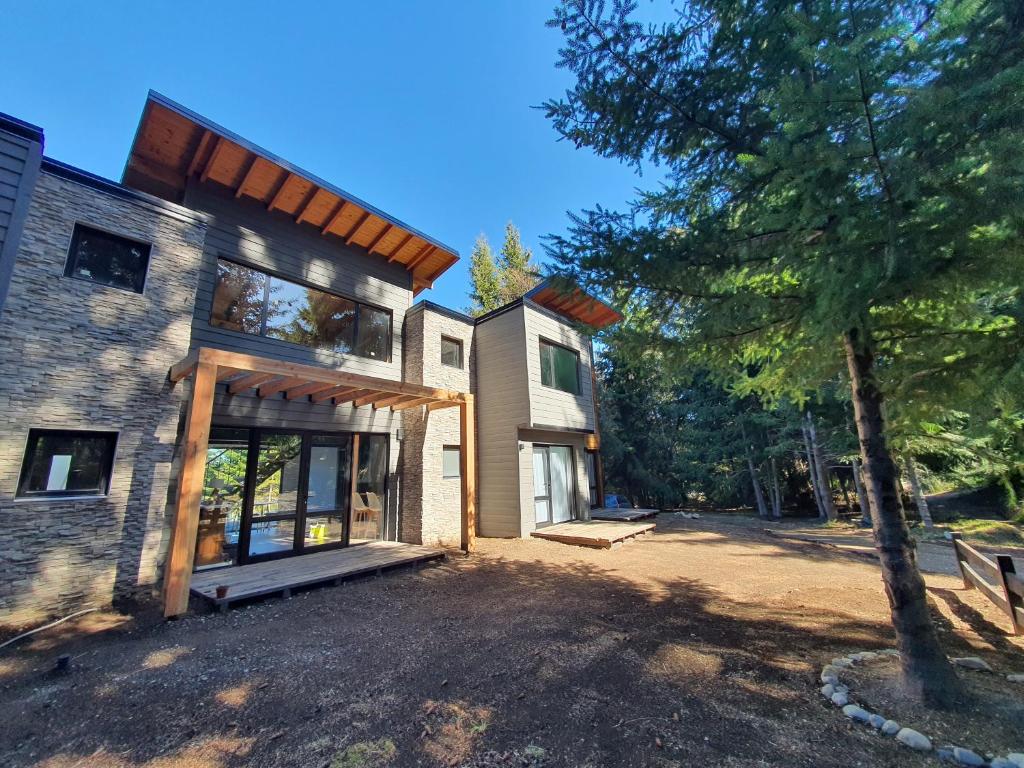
220 361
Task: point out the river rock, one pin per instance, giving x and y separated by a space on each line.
842 662
827 690
967 757
1016 678
1017 758
913 739
829 674
840 699
865 656
972 662
1001 762
854 712
890 727
877 721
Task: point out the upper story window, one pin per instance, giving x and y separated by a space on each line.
255 302
451 352
559 367
67 463
107 259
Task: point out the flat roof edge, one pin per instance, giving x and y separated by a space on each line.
20 127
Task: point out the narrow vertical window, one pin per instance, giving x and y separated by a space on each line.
451 465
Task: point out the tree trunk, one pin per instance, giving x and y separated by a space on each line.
823 479
812 472
862 499
762 508
776 493
919 499
927 673
845 487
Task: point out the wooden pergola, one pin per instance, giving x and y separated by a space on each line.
208 367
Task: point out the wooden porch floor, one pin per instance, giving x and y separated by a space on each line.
282 576
599 534
621 513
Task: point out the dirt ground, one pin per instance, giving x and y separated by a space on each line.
699 645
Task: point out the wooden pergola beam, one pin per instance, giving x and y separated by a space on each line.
280 385
387 402
414 403
370 399
376 241
352 396
467 469
439 404
178 568
248 382
333 392
304 390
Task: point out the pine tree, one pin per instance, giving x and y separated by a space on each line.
483 274
844 194
515 266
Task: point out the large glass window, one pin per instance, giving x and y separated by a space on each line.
451 352
251 301
107 259
220 511
67 463
559 367
238 298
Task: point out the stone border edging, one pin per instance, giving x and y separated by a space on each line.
839 694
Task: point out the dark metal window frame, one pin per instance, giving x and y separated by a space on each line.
301 512
540 353
101 492
458 343
305 284
70 258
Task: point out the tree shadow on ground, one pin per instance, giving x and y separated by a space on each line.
485 661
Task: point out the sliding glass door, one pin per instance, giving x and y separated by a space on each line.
554 484
274 493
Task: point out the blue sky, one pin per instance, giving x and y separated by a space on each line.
421 108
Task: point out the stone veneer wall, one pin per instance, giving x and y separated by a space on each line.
77 355
431 506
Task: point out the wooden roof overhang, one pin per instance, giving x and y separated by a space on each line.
575 304
240 372
173 144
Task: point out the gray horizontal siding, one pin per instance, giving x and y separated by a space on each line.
549 406
245 232
14 151
20 157
502 405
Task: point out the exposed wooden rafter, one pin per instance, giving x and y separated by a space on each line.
197 157
217 149
391 400
280 385
351 234
370 399
304 206
355 394
275 201
376 241
247 177
335 217
327 394
303 390
414 403
405 241
248 382
420 257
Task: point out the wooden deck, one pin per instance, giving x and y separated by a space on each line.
282 576
621 513
599 534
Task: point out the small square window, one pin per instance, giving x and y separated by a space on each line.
67 463
451 352
107 259
451 465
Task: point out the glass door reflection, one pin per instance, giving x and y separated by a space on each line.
276 496
328 484
370 489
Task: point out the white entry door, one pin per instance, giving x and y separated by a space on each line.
553 483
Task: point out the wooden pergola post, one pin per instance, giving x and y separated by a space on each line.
467 460
178 568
